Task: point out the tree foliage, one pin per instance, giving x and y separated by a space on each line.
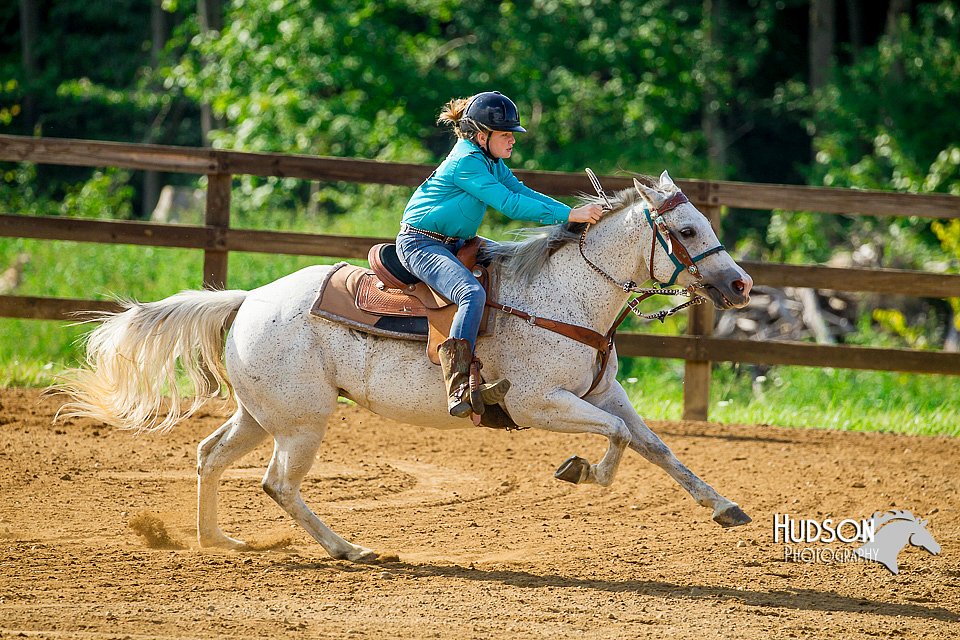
706 88
886 121
881 124
606 83
611 85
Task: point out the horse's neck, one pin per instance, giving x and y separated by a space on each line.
575 290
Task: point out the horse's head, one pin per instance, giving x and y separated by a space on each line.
684 245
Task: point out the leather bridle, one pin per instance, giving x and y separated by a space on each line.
677 253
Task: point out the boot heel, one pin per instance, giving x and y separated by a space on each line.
461 410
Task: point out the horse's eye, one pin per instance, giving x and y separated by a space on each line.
688 232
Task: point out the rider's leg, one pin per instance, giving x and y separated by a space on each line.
434 262
457 354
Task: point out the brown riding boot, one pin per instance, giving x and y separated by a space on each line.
494 392
455 358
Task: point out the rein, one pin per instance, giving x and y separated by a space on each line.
677 253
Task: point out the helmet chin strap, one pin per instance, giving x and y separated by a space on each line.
486 147
481 128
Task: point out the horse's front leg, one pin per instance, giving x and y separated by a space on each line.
645 442
564 412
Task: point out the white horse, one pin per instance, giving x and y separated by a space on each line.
287 368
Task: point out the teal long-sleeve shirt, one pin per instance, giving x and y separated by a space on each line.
454 199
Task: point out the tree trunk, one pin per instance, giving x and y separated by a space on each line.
822 38
813 317
158 39
158 31
210 14
713 130
951 342
895 10
29 27
855 20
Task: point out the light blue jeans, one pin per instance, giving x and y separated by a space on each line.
436 263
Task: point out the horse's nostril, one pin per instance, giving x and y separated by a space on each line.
743 285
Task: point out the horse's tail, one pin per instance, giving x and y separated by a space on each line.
130 377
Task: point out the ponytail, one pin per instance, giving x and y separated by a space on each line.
453 115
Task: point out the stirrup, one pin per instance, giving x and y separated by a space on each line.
459 404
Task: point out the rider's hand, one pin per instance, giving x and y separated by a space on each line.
587 213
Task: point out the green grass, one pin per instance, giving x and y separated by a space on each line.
840 399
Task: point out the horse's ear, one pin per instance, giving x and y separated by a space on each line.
651 196
666 182
642 189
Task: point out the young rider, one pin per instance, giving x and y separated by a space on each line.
447 210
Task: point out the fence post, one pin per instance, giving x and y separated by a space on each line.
218 217
696 373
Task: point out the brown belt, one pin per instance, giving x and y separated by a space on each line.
430 234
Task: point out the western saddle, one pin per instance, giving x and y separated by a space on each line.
389 300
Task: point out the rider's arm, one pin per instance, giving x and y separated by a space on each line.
473 176
513 183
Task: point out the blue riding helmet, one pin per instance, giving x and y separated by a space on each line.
495 111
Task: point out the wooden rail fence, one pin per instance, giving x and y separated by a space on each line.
216 239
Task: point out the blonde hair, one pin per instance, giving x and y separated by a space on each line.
453 115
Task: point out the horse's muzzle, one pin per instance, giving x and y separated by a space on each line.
730 291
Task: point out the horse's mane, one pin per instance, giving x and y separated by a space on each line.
526 257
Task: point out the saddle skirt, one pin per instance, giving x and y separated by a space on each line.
389 301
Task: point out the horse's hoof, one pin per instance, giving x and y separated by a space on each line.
362 555
731 516
223 542
574 470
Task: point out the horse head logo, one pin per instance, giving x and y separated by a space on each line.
898 528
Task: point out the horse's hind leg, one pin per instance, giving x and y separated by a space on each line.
235 438
293 455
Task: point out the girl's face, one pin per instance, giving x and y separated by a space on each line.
501 143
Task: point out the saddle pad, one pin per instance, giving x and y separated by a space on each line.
337 301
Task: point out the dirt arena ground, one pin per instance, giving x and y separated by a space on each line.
489 544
